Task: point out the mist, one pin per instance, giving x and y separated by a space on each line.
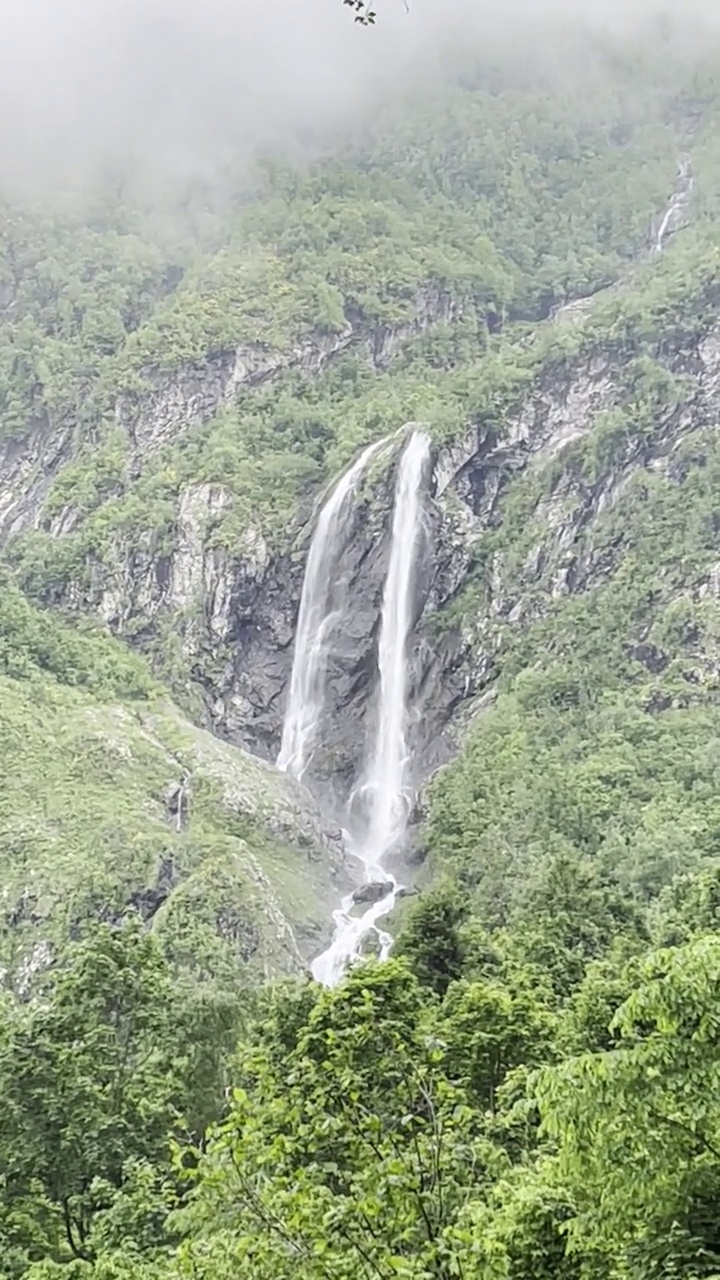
185 88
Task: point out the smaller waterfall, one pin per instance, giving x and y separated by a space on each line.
671 219
383 791
316 622
668 217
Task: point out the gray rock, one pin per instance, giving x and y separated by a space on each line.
374 891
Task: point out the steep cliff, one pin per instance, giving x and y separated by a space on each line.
230 607
524 513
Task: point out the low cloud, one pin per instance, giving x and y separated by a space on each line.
187 86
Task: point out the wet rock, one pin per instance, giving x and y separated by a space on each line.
407 891
374 891
651 657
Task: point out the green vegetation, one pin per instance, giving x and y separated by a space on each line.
474 206
528 1089
378 1128
602 736
97 1075
35 643
92 824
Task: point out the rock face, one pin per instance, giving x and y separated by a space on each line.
225 609
458 642
27 469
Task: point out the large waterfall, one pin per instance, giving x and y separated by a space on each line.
317 619
385 785
382 791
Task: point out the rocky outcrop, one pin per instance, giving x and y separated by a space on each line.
164 405
158 407
28 466
197 584
367 895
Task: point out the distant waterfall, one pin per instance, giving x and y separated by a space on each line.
671 219
668 217
316 621
383 790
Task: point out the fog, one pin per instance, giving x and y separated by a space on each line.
187 87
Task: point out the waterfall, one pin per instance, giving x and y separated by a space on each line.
383 790
676 206
386 777
316 622
668 217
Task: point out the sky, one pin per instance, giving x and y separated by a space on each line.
184 85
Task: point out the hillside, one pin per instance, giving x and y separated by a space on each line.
516 266
111 801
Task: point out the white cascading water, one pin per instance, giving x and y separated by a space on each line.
678 202
668 217
383 790
316 622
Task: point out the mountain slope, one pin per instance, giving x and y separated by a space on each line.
110 801
173 401
590 622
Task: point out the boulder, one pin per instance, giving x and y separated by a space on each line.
366 895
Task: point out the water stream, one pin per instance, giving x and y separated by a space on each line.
677 205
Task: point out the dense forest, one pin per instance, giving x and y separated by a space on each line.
526 1089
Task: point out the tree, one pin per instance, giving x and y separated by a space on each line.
638 1127
570 917
350 1155
364 13
96 1081
489 1030
431 939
